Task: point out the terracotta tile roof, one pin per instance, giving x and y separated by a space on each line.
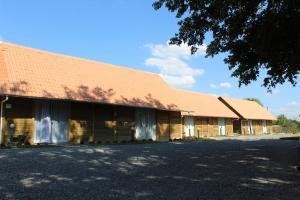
34 73
202 105
248 109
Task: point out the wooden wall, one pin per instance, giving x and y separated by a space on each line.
257 127
237 127
269 126
202 127
175 125
169 125
124 119
244 127
209 127
229 127
21 114
213 127
163 125
80 123
104 124
94 123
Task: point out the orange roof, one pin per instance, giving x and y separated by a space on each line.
199 104
34 73
248 109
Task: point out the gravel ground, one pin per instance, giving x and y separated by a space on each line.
228 169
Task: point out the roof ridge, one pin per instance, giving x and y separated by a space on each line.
76 58
247 100
240 105
195 92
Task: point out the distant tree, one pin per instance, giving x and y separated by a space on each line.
288 125
281 120
255 99
256 34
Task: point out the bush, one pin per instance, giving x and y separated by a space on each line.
287 125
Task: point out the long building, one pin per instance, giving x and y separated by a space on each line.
253 118
204 115
53 98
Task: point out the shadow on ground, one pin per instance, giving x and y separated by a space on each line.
228 169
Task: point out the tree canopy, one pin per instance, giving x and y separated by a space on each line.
288 125
255 34
255 99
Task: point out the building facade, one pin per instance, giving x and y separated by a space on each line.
52 98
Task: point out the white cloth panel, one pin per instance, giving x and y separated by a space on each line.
250 127
189 126
42 122
60 112
264 126
145 124
222 126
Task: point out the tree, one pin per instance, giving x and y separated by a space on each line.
281 120
288 125
256 34
255 99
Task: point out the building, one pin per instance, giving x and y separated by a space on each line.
204 115
253 118
52 98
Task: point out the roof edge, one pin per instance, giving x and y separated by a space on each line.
85 101
74 57
230 107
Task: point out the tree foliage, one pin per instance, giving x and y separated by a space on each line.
255 99
288 125
256 34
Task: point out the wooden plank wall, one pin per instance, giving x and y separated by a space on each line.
201 127
21 114
209 127
163 125
229 127
244 127
237 127
80 123
175 125
213 127
269 126
257 127
93 123
104 124
198 127
124 119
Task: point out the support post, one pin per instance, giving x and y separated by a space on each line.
1 119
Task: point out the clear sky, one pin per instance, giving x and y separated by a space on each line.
130 33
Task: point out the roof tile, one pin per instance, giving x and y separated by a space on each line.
248 109
35 73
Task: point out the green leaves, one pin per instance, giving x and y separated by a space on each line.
255 99
256 34
288 125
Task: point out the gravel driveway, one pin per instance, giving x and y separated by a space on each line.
225 169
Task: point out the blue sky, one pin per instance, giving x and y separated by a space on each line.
130 33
